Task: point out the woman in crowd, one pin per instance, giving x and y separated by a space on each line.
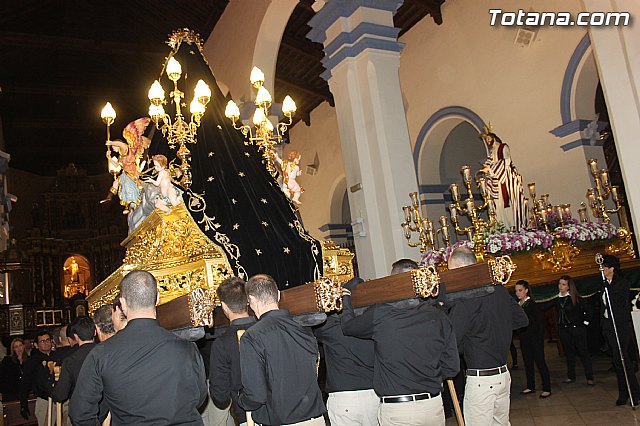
11 370
532 342
573 317
619 296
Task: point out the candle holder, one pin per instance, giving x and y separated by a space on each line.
475 232
602 191
415 221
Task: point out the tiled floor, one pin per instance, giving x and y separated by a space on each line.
571 404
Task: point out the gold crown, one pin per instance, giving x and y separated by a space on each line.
487 128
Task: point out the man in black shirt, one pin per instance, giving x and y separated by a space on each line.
104 322
37 378
349 361
279 363
224 377
145 374
415 349
484 320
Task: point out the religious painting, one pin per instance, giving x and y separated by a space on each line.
76 276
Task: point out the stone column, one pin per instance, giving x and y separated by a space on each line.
617 53
362 57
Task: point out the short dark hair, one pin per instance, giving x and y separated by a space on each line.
403 265
56 335
84 327
139 289
233 294
263 288
42 333
102 319
612 261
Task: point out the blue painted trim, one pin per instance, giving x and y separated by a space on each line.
569 77
575 126
363 29
578 143
433 188
334 9
335 226
354 50
451 111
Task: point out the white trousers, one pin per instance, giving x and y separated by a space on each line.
318 421
41 411
486 400
426 412
353 408
213 416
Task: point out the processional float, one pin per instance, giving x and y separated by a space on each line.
234 219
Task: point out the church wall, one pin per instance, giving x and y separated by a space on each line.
28 187
466 62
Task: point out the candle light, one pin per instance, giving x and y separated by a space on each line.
455 193
543 215
567 210
604 175
532 190
614 194
545 199
414 199
593 165
470 206
541 205
407 231
454 212
591 196
582 214
466 173
407 214
482 184
445 234
443 220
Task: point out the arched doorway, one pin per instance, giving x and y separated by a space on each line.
76 276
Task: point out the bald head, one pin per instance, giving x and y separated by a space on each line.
403 265
462 256
140 290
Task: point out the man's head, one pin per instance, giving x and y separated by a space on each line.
233 297
462 256
104 322
118 318
56 337
43 341
139 293
262 293
84 329
403 265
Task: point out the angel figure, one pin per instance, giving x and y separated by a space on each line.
128 164
290 171
170 195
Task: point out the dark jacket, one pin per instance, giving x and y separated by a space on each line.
536 321
10 377
145 374
573 315
620 302
69 373
37 377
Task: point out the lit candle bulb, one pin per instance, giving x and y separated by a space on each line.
582 214
532 190
407 214
567 210
614 194
541 205
414 199
466 173
593 165
454 212
604 175
455 193
470 206
545 199
445 233
443 220
591 196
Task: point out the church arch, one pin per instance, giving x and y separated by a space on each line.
76 275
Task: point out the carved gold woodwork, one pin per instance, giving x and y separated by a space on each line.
337 262
501 269
180 257
559 257
328 294
624 245
426 281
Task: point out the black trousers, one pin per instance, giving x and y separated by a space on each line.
624 333
574 340
532 348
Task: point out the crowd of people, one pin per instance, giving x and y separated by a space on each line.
387 364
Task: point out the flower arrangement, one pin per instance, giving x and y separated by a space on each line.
435 257
513 242
587 231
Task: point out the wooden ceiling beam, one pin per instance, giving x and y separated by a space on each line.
305 49
318 93
434 7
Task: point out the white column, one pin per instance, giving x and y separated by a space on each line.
362 61
617 54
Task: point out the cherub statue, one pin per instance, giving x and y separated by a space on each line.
290 171
504 182
127 166
170 195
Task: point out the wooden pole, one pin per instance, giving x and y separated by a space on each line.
250 421
58 414
456 403
49 420
107 421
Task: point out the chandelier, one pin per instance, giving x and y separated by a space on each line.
265 136
177 130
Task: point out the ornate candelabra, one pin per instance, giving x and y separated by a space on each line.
602 191
108 116
263 135
177 130
541 209
414 221
476 230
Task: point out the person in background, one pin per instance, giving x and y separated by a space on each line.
11 370
104 322
532 342
37 378
118 317
573 317
619 287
